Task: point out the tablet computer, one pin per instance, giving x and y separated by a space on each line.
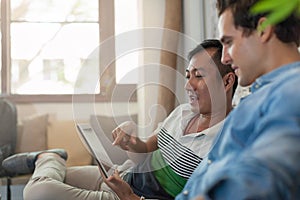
95 147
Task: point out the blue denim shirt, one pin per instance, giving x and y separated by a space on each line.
257 153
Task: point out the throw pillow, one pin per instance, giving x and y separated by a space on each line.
32 134
63 134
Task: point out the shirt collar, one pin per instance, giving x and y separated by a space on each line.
275 75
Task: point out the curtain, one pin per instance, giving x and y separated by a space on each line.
168 57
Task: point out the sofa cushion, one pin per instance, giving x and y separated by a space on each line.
63 134
32 134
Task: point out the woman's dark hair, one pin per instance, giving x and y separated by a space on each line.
287 31
216 57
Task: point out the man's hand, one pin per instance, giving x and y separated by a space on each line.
125 135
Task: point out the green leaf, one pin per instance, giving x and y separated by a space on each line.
279 14
267 5
298 9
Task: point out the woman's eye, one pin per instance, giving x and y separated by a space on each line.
198 75
194 75
187 75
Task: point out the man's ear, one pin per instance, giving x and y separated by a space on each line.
265 31
229 80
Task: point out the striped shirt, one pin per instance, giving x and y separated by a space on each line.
183 153
164 173
180 158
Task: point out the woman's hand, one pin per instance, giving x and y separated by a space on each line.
125 135
120 187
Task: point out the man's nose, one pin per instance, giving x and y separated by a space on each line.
226 60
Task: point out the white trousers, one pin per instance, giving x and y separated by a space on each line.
52 180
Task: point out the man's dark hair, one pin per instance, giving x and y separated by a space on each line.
286 31
216 57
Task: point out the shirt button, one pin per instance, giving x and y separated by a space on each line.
256 86
209 162
185 192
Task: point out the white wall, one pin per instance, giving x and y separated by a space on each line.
200 19
193 22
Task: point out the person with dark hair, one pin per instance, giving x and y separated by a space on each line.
255 155
207 78
216 58
174 150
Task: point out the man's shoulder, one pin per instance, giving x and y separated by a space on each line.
290 79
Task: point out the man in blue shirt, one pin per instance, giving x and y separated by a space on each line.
256 154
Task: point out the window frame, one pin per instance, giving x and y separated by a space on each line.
106 21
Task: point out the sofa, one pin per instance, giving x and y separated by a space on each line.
40 132
44 131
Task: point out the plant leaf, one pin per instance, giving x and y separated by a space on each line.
282 13
266 6
279 14
298 9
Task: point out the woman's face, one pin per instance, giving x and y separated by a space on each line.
204 85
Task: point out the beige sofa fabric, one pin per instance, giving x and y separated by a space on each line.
38 132
63 134
32 134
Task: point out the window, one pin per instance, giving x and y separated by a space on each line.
45 44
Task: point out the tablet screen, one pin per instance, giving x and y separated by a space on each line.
95 147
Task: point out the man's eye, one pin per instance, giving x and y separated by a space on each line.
227 42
